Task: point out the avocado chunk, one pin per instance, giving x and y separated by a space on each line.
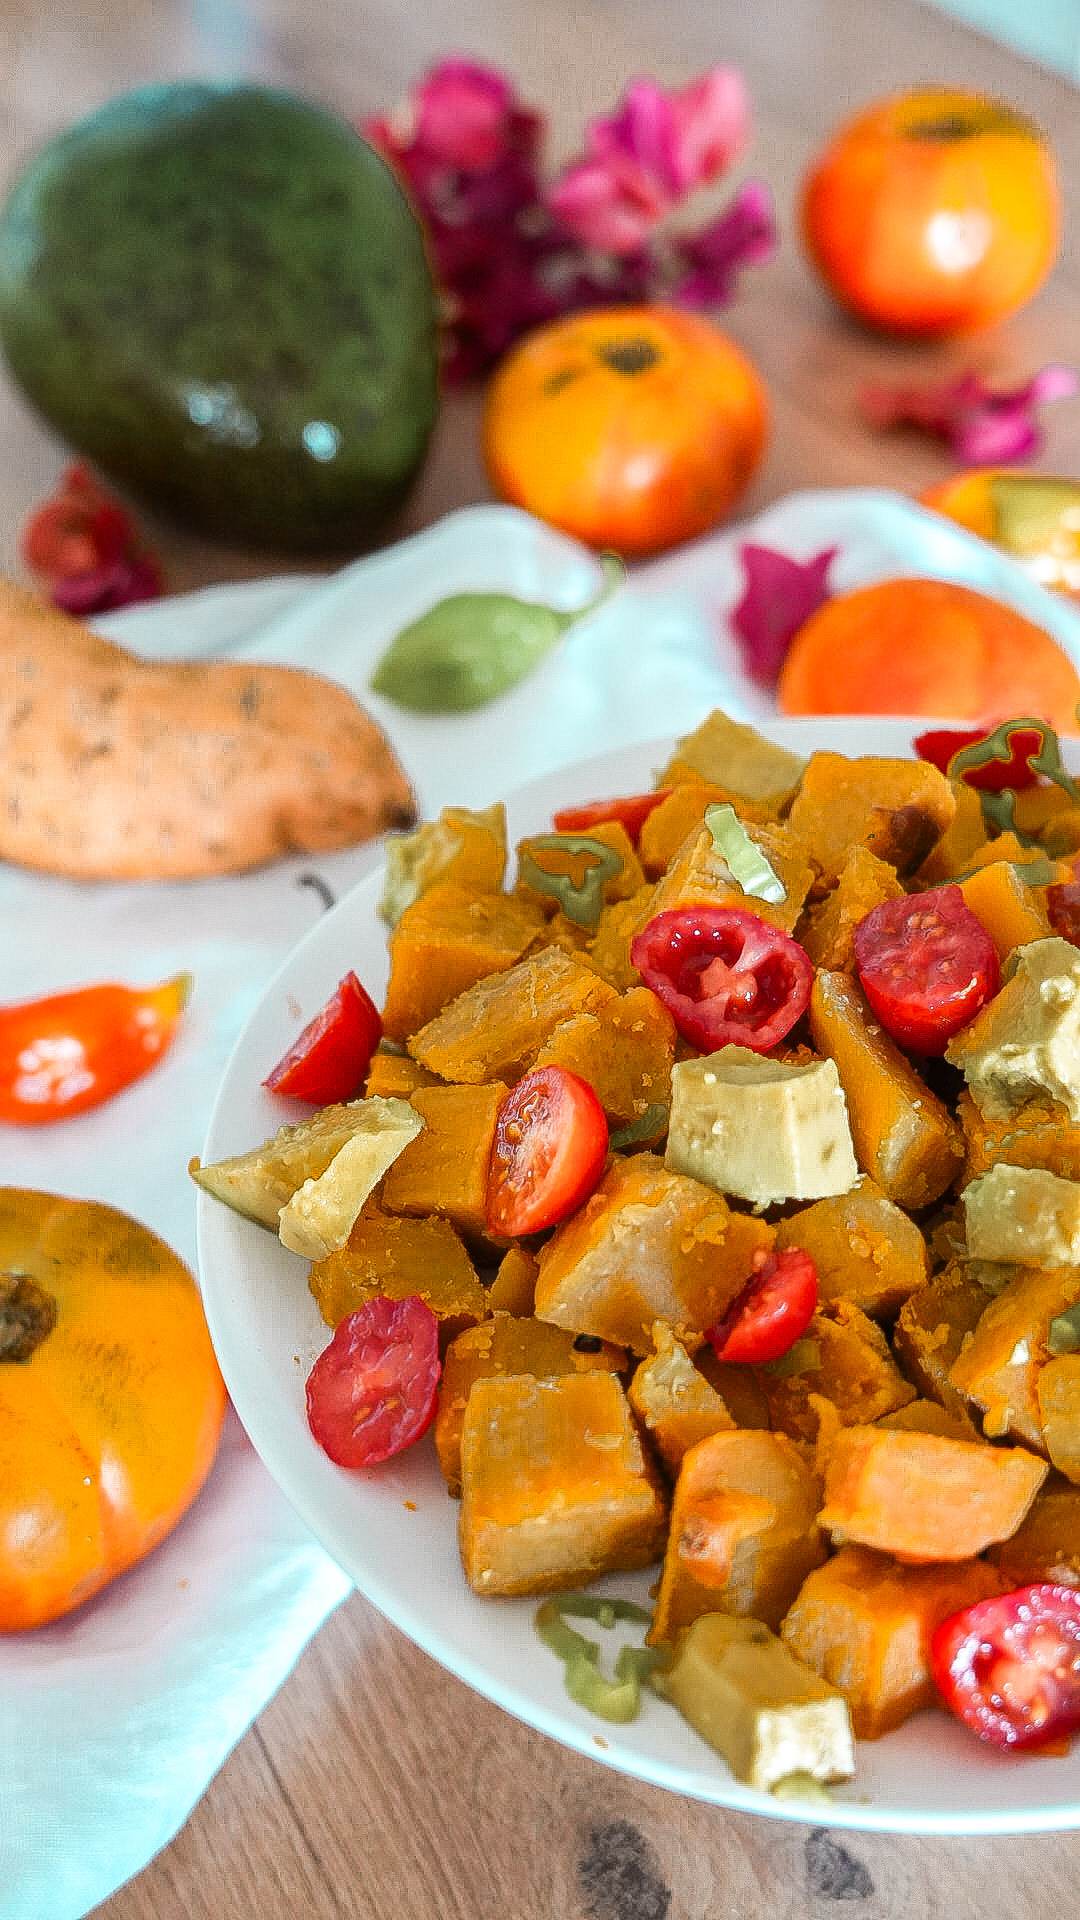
1026 1040
766 1714
762 1130
1023 1215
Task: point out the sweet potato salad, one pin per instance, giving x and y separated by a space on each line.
710 1179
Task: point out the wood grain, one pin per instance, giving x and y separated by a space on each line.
375 1786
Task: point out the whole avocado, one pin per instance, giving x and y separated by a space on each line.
220 294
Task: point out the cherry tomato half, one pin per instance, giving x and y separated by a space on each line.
631 810
726 976
772 1311
70 1051
926 965
940 743
551 1142
328 1061
373 1390
1009 1667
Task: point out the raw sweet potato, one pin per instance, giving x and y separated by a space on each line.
120 768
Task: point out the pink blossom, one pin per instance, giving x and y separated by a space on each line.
981 427
779 596
648 155
456 116
743 234
119 583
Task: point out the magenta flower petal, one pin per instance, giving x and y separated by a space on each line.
743 234
459 113
604 207
121 583
779 596
711 127
982 427
639 137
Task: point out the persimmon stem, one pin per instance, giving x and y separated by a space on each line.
27 1316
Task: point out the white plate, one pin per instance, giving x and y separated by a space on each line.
394 1529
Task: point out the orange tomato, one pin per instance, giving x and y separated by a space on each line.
628 427
927 647
111 1403
934 212
1035 517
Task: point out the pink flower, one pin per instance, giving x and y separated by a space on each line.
744 233
982 428
779 597
648 155
456 117
121 583
84 549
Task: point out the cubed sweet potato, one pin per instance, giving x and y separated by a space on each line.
625 1052
897 808
390 1254
864 1247
864 1623
674 1401
999 1362
1012 912
922 1498
495 1029
743 1532
449 1176
450 937
556 1488
931 1328
827 929
844 1359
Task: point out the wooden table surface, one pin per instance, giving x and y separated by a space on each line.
374 1785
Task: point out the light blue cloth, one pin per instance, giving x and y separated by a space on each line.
113 1722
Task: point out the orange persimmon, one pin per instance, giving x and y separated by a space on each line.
933 212
111 1403
926 647
628 427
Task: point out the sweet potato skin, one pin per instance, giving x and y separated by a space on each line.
120 768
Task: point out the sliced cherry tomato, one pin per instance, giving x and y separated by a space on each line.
1009 1667
70 1051
940 743
551 1142
630 809
372 1391
926 965
773 1310
330 1058
726 976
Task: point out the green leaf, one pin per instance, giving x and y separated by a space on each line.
467 650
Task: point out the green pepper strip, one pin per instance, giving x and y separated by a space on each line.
1000 808
619 1699
581 904
742 854
1034 873
651 1122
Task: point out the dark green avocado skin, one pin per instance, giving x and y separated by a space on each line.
221 296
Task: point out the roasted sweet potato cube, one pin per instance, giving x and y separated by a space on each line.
506 1344
864 1247
495 1029
1046 1544
999 1362
922 1498
609 948
739 1387
1058 1387
699 875
844 1360
648 1245
738 757
929 1416
1012 912
931 1328
674 1402
680 813
556 1488
744 1532
964 837
905 1139
390 1254
625 1052
395 1076
864 1623
450 1176
827 930
609 833
1039 1134
514 1286
448 939
897 808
